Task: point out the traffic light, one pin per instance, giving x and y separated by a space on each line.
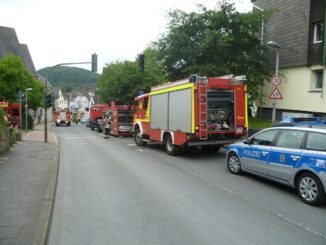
48 101
141 62
52 100
94 62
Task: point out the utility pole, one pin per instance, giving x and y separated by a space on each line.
94 69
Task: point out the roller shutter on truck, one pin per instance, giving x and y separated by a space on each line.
172 111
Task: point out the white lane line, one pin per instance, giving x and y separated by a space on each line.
131 144
141 150
78 138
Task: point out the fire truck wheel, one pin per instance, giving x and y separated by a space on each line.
170 148
138 138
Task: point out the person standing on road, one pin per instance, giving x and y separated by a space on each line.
107 127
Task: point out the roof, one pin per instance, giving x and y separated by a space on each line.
9 44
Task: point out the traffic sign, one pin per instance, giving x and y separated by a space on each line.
276 95
276 80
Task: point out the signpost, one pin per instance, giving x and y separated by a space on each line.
276 80
276 95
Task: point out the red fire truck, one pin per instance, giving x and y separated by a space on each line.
96 116
62 117
199 111
12 112
121 117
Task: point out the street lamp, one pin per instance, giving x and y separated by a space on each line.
262 23
26 107
277 47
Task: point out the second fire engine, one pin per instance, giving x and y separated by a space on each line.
199 111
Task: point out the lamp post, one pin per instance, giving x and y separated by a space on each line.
277 47
262 50
26 107
262 23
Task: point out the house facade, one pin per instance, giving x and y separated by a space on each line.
298 27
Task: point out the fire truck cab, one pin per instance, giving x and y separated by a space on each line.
199 111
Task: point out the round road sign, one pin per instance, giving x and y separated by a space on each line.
276 80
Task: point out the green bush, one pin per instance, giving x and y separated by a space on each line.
30 122
2 120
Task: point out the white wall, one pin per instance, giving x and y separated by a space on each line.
297 91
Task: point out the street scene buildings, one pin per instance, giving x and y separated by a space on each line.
298 28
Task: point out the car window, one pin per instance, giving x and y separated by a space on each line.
290 139
264 138
316 141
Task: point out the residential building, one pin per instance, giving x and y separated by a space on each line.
298 27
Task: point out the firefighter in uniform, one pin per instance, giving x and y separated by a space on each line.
107 127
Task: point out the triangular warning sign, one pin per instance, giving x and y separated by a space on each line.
276 95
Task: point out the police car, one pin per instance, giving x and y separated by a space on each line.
295 156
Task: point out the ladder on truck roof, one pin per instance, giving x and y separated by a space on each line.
202 94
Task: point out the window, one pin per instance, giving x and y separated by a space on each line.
318 81
264 138
318 32
290 139
316 141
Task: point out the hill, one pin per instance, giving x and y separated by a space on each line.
69 78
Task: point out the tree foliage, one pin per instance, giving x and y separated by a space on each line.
123 81
15 77
214 43
69 78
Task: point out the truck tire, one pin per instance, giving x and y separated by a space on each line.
138 138
170 148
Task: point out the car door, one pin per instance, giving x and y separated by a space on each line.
286 154
314 154
255 154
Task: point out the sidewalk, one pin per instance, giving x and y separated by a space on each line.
28 173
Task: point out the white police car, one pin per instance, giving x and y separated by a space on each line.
295 156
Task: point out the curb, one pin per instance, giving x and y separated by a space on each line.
44 221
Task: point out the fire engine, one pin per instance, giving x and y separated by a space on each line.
96 116
62 117
200 111
121 117
12 112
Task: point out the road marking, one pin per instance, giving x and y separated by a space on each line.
78 138
279 215
3 158
131 144
141 150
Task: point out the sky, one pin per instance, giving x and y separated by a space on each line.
64 31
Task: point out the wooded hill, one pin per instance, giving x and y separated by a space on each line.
69 78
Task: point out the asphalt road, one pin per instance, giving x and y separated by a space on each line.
111 191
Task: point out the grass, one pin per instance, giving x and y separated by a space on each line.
257 123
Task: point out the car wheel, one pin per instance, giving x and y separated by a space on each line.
138 138
310 189
234 164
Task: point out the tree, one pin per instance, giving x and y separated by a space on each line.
123 81
14 77
214 43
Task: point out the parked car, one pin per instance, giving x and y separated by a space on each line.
294 156
297 121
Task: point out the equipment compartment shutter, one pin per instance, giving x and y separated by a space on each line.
159 111
180 110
